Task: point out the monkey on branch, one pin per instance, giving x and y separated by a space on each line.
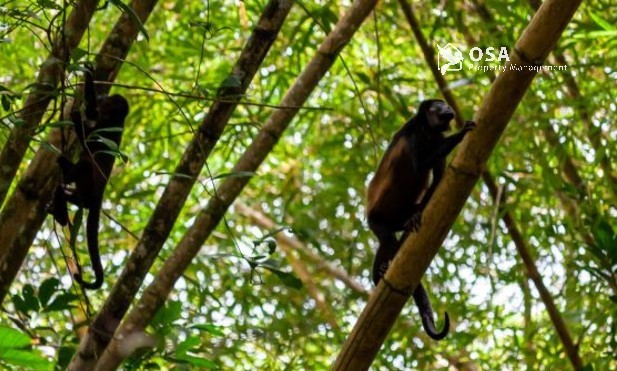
404 182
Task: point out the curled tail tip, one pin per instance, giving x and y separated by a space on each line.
97 284
429 327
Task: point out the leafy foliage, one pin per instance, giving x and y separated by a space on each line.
241 305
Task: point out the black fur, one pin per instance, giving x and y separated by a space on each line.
100 123
402 186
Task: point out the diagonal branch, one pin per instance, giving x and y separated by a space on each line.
155 295
419 249
513 230
263 221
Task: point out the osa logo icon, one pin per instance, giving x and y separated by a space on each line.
449 58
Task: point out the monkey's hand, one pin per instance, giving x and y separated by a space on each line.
414 222
468 126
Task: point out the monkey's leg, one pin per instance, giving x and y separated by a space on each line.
388 246
414 222
58 207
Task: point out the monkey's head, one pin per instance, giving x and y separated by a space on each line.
436 114
112 110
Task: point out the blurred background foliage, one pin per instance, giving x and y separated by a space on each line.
226 314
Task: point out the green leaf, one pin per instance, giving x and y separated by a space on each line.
77 54
65 354
48 146
114 129
271 246
106 141
168 314
31 301
288 279
49 4
232 81
62 302
197 361
237 174
606 241
188 344
6 102
26 358
19 304
363 77
11 338
606 26
209 328
47 289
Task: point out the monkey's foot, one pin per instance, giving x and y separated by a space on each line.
383 268
414 222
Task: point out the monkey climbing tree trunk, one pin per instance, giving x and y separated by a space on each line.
156 293
418 250
24 212
517 237
178 189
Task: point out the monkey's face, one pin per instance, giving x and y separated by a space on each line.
439 115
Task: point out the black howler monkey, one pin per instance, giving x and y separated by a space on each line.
402 187
98 127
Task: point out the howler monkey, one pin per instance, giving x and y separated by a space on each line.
98 125
402 187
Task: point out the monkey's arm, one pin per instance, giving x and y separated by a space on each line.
59 207
438 171
447 145
84 122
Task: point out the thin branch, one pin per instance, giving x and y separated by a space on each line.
263 221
